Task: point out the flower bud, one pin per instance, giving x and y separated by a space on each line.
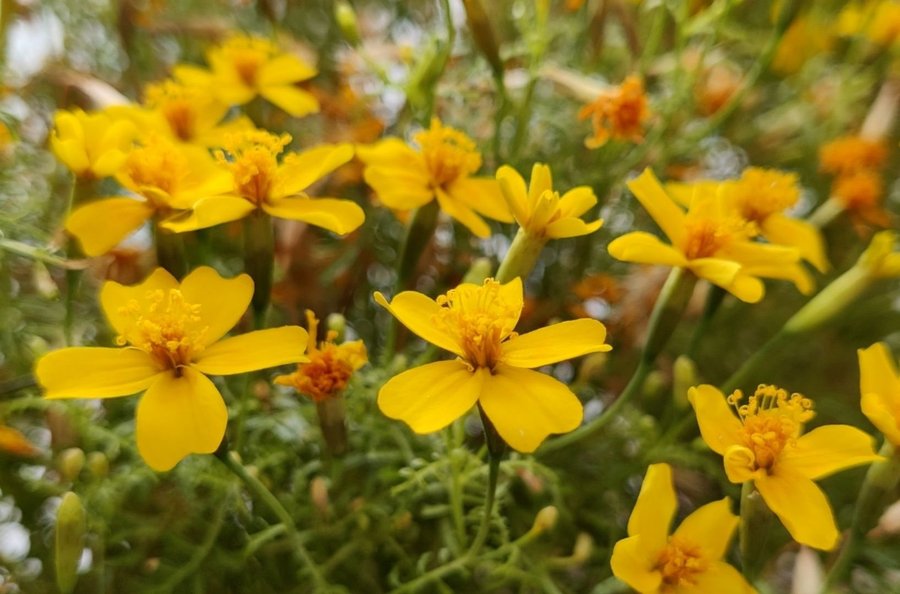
70 462
98 464
70 529
318 494
685 375
346 20
545 519
584 544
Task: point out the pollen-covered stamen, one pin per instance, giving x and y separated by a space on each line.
760 193
164 325
252 157
481 319
772 420
681 562
155 169
449 154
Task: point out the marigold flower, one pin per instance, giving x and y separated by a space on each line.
244 67
690 561
167 179
540 210
171 338
91 145
617 114
879 387
765 444
711 240
259 181
861 193
330 365
848 154
440 168
494 364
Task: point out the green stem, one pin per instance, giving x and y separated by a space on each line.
332 423
713 300
521 257
259 261
827 212
756 527
455 488
170 252
745 373
653 38
82 189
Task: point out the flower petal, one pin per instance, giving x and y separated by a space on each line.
526 406
284 70
294 101
632 564
336 215
400 188
555 343
222 301
804 236
668 215
301 170
417 312
463 214
654 509
432 396
878 373
484 196
94 372
571 227
514 192
209 212
178 416
115 298
577 201
828 449
801 506
719 426
101 225
721 577
260 349
645 248
710 526
881 414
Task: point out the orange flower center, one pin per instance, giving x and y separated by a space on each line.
481 319
252 157
178 106
449 154
859 190
325 376
247 55
772 420
680 562
164 325
156 170
705 236
761 193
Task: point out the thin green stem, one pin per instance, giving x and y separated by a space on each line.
745 373
259 261
454 487
484 528
755 529
713 300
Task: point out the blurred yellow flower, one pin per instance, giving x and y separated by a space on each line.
711 240
764 443
259 181
244 67
330 365
861 193
92 145
493 367
440 168
690 561
849 154
171 338
167 179
541 211
877 20
805 38
618 114
879 387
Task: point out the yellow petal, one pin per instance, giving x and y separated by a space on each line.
804 236
878 373
222 300
662 208
284 69
178 416
400 189
571 227
740 464
336 215
260 349
577 201
555 343
632 564
541 181
94 372
71 152
390 152
463 214
109 163
721 577
294 101
101 225
828 449
115 298
301 170
484 196
526 406
654 509
645 248
431 397
513 296
719 426
417 312
711 527
730 276
514 192
802 507
209 212
794 272
881 413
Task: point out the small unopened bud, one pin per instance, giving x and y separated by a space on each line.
70 529
584 544
684 373
98 464
654 384
545 519
318 494
336 323
346 20
71 461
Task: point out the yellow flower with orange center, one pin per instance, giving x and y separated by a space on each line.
879 387
494 364
330 365
439 168
244 67
711 239
690 561
259 180
617 114
764 443
171 336
92 145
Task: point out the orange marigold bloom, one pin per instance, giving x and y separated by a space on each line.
618 113
861 193
851 153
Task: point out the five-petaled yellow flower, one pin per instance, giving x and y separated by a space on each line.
687 562
711 240
542 212
879 386
494 364
405 178
171 338
765 444
92 145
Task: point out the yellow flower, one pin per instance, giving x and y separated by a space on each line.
330 365
877 21
171 336
92 145
711 240
244 67
879 386
765 444
687 562
861 193
405 178
167 178
259 181
806 38
493 367
848 154
617 114
541 211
